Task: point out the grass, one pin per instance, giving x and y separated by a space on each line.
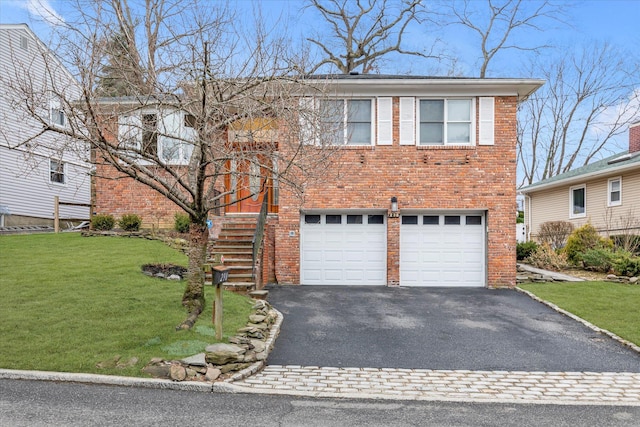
69 302
611 306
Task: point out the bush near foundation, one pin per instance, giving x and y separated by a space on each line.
600 259
103 222
130 222
625 264
555 233
546 258
583 239
524 250
181 222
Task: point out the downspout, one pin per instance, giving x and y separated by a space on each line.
527 215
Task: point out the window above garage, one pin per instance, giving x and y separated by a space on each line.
440 122
347 121
445 122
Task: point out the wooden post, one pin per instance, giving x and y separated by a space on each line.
56 214
217 311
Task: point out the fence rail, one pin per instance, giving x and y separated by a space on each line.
56 211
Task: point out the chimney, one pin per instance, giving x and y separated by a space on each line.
634 138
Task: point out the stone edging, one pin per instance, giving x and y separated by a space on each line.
274 331
582 321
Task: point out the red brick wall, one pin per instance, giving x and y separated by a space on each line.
478 177
127 196
634 138
268 251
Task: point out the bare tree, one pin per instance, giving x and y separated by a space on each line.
623 230
201 94
363 32
496 23
590 97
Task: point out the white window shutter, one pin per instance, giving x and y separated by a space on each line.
385 121
129 131
407 121
486 116
306 117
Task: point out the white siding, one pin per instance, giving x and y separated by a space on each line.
25 186
26 189
553 205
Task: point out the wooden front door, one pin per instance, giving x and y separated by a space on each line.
248 180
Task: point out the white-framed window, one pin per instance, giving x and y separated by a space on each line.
57 171
446 122
167 135
614 192
578 201
57 116
347 121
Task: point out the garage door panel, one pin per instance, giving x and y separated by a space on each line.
312 275
443 252
312 256
350 252
333 256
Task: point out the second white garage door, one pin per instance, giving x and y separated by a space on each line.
343 249
442 250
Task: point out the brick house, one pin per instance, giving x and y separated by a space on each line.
422 191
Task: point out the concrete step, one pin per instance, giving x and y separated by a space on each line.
236 265
239 277
227 234
233 242
240 287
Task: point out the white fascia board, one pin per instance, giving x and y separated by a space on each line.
579 179
521 88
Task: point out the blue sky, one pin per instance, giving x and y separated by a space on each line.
615 21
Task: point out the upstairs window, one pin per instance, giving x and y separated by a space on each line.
56 171
347 121
57 116
359 122
150 134
615 192
168 135
445 122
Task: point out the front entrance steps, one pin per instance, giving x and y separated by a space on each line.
235 244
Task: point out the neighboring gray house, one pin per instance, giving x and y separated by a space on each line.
605 193
31 178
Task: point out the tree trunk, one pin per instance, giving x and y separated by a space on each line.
193 297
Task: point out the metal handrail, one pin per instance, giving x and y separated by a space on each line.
259 233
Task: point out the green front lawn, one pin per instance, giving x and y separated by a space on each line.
611 306
69 302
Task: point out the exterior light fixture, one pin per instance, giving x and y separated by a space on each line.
394 208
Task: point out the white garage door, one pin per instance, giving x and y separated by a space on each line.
442 250
343 249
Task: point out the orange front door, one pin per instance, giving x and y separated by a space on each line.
248 179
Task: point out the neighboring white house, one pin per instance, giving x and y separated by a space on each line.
31 178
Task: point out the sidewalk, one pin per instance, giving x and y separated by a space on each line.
553 274
420 384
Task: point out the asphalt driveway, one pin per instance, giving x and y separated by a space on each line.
436 328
